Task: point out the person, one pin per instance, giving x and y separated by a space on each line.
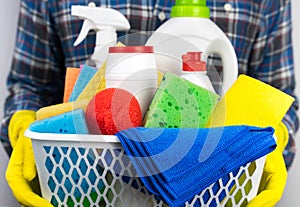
260 32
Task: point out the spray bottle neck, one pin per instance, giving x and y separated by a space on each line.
106 37
104 40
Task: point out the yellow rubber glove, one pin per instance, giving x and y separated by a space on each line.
21 170
282 134
19 122
274 176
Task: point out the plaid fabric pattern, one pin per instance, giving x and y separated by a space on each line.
260 31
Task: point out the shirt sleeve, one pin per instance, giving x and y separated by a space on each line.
36 77
272 60
272 56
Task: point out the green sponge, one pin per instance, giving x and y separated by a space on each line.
178 103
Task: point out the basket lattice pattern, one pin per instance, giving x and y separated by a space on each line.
87 176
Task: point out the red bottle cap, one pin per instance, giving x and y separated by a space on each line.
192 62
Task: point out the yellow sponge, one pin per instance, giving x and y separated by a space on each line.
57 109
251 102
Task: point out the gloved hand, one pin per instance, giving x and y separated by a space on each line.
21 170
274 176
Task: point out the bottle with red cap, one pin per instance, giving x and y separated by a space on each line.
133 68
194 70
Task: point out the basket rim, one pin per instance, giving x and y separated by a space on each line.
71 137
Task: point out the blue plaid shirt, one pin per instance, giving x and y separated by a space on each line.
260 32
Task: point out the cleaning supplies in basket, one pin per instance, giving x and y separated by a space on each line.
167 160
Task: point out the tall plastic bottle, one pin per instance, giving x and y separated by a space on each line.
194 70
106 22
190 29
133 68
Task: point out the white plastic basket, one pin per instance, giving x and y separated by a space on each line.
93 170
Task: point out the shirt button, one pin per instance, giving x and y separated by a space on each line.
161 16
227 7
92 4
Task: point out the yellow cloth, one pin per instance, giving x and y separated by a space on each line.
21 169
252 102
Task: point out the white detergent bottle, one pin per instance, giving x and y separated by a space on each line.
194 70
190 29
105 22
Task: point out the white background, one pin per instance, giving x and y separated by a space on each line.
8 20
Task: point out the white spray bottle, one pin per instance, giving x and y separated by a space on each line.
190 29
106 22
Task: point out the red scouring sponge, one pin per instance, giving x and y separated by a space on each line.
112 110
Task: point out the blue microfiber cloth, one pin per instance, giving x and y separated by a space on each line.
72 122
85 75
178 164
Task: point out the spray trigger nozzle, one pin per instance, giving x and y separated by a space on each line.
86 26
106 22
98 19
